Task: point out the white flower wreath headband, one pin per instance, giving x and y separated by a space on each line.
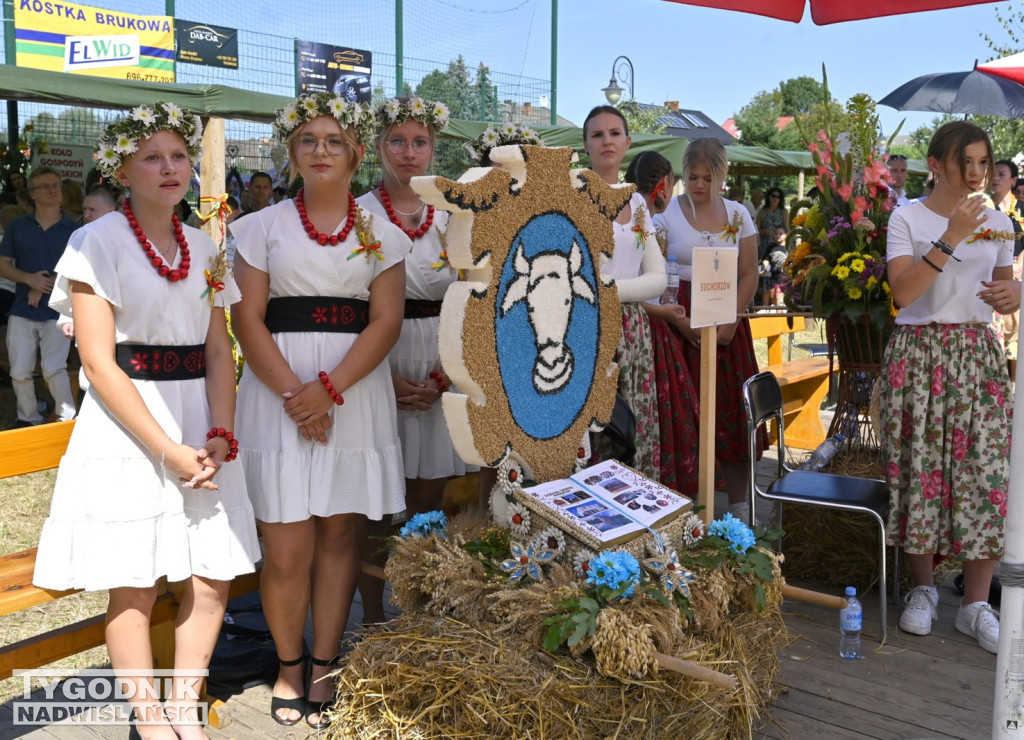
307 107
121 139
503 135
396 111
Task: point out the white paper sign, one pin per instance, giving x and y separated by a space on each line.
713 287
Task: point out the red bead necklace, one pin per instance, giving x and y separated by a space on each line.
154 258
389 209
324 239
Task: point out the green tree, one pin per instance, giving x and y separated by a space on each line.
643 119
800 95
1007 134
453 88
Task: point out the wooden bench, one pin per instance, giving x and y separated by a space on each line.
804 381
38 448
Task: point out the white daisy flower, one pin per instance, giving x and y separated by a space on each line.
693 530
109 157
392 108
144 114
489 137
175 115
473 153
509 129
198 133
581 562
309 105
417 106
338 107
125 144
441 114
518 518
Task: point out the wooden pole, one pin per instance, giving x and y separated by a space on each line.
212 173
814 597
706 464
693 670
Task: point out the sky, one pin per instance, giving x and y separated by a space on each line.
716 61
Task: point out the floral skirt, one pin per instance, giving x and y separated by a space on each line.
735 363
678 410
946 417
635 357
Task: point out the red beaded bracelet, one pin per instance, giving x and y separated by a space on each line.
441 384
326 380
232 442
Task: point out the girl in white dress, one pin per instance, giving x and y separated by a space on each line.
639 271
323 290
147 487
406 134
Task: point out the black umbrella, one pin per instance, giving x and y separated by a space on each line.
962 93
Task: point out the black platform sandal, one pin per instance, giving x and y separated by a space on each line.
319 707
298 703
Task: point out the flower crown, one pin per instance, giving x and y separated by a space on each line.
507 133
121 138
396 111
307 107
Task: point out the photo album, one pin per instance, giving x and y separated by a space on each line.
605 505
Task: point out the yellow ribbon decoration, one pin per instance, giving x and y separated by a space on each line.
221 211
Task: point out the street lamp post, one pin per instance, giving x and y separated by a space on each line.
624 67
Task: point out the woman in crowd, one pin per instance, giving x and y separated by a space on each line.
678 415
639 271
703 218
770 219
406 135
323 291
946 394
147 487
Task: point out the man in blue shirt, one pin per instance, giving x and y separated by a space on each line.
31 246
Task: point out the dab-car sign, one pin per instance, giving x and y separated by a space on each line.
64 37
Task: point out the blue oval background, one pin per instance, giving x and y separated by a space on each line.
545 416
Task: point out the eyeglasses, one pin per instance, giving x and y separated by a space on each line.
774 195
397 146
51 186
901 157
308 144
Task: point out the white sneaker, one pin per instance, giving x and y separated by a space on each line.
980 621
922 607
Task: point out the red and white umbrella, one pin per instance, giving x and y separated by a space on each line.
1011 67
824 12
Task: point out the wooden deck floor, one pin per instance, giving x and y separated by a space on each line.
939 686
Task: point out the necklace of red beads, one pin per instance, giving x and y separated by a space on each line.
324 239
390 210
155 259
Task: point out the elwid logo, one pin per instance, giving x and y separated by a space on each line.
93 52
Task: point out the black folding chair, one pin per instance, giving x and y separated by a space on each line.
762 399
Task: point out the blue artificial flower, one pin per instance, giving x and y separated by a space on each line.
617 570
734 531
425 524
526 561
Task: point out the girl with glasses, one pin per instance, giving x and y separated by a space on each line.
770 219
323 289
406 133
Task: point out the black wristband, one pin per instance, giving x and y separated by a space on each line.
945 249
932 264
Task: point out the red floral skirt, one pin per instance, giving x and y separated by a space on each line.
735 363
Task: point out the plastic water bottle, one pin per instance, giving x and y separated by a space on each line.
851 618
823 454
672 287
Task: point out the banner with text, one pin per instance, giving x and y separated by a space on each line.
64 37
211 46
335 69
71 162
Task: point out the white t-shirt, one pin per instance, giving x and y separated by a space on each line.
682 237
953 297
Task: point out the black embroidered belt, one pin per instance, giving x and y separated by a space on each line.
420 309
317 313
162 362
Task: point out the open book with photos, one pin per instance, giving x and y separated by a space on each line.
604 505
